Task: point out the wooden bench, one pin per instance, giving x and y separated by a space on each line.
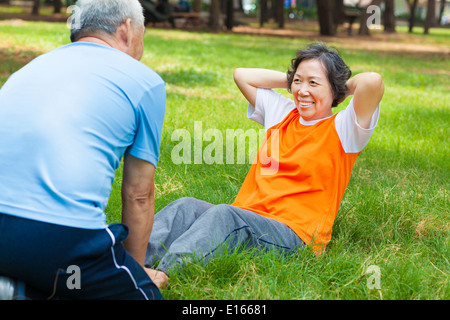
191 17
351 14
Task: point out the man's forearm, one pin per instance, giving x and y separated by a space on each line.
138 204
138 215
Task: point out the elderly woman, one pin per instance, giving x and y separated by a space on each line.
291 195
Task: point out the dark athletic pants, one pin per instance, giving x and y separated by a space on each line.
59 262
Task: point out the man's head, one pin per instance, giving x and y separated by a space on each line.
120 23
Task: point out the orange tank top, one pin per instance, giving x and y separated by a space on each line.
299 178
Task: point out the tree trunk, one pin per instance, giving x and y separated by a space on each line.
280 13
431 16
338 12
197 6
325 15
36 5
272 10
230 14
389 17
412 15
441 12
263 12
215 19
57 6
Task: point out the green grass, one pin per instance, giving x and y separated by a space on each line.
395 211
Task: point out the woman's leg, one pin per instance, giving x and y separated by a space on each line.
227 227
170 223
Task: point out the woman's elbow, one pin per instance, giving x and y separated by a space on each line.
237 74
376 79
374 83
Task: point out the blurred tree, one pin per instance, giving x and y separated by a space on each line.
271 9
197 5
325 15
57 5
215 16
389 17
338 12
36 6
263 14
412 14
430 19
280 13
230 14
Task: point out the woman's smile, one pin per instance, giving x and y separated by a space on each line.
305 104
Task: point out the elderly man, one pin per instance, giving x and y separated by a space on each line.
66 120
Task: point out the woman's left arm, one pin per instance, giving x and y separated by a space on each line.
367 89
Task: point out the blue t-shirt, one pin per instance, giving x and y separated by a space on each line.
66 120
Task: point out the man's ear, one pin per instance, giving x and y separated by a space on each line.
124 35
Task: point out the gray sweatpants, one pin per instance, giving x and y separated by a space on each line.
190 228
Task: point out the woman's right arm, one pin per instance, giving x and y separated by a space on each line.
249 80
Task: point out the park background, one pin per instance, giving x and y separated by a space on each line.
394 216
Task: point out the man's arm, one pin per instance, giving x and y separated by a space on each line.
138 205
367 90
249 80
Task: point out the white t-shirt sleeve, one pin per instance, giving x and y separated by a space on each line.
270 108
354 137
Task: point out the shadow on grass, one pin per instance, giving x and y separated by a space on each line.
189 78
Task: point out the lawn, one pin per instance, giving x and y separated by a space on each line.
394 216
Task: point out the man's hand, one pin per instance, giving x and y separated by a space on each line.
159 278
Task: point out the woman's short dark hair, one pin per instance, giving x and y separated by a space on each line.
337 71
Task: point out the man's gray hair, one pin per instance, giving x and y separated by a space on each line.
104 16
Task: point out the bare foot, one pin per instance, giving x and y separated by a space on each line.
159 278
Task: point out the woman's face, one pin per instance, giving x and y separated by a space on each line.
312 91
